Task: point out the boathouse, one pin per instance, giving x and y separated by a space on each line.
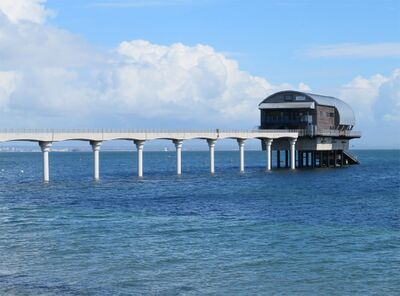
324 125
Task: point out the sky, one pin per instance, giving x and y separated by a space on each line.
204 64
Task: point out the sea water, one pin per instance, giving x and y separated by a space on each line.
308 231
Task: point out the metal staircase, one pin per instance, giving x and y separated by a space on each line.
350 159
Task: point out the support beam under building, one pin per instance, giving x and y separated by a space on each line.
286 158
278 158
334 158
313 160
341 158
307 159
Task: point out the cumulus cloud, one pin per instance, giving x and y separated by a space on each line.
186 81
61 75
8 84
376 97
25 10
50 76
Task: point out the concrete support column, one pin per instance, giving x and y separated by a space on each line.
45 146
241 153
96 162
341 158
299 159
307 158
334 158
286 158
139 146
278 158
178 146
313 161
211 146
293 154
321 160
328 158
268 143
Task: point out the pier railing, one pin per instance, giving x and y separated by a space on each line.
97 131
338 133
301 132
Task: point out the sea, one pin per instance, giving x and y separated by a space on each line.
303 232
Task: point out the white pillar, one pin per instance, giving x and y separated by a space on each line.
45 146
96 162
139 146
268 143
241 153
292 154
178 146
211 146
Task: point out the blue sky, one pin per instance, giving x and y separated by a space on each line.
199 64
268 38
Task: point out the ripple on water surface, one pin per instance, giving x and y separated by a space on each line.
325 231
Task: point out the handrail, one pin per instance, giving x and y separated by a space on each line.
301 132
99 131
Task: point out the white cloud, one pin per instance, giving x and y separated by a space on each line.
303 87
355 50
8 84
374 98
25 10
49 76
29 45
60 75
184 81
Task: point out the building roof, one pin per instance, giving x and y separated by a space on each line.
346 114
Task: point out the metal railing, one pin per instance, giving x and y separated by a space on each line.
312 131
95 131
338 133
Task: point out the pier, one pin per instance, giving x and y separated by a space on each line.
46 137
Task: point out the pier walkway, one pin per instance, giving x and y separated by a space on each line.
46 137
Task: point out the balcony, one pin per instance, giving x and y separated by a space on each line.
311 131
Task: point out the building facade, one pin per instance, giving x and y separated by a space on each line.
325 125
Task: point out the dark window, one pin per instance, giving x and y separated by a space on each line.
288 98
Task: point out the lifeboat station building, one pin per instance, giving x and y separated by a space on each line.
325 126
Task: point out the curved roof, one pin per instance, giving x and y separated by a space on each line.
346 114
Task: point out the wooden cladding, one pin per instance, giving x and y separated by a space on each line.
325 117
